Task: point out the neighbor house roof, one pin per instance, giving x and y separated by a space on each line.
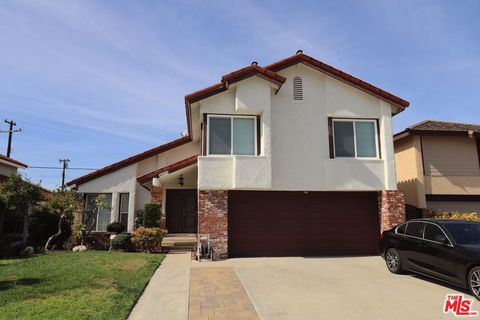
444 128
12 162
170 168
268 73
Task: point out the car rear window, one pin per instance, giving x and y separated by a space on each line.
415 229
401 228
431 231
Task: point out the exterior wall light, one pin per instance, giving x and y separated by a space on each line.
180 180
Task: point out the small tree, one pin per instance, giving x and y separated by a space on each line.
65 204
18 197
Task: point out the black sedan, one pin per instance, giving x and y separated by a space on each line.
448 250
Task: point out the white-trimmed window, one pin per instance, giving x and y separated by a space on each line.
103 214
355 138
123 208
231 135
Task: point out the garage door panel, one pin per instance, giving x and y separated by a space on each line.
297 223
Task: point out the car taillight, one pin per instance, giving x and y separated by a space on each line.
382 235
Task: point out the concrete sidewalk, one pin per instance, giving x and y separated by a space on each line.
166 295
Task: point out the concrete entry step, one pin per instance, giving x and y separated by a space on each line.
180 241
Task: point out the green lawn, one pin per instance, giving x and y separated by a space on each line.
74 285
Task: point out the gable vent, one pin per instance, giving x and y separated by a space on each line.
297 88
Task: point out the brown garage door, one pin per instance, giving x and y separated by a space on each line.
277 223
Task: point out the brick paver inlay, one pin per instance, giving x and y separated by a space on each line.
217 293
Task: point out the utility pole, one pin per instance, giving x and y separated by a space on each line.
10 132
65 166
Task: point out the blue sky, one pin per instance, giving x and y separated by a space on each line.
98 81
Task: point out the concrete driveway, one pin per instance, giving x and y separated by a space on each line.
290 288
338 288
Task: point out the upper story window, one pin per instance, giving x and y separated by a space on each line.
297 89
355 138
231 135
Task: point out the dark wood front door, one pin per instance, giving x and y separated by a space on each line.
181 211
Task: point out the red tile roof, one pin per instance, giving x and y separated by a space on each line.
170 168
233 77
129 161
316 64
14 162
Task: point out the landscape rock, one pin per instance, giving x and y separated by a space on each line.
79 248
27 251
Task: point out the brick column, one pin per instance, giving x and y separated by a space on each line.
156 196
391 207
213 219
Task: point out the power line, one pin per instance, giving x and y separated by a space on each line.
60 168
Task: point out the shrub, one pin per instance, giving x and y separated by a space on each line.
42 225
148 239
116 227
79 232
138 219
122 242
151 215
454 215
9 246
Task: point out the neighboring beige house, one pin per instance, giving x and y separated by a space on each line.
294 158
9 166
438 166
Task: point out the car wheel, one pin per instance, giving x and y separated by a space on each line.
392 258
474 282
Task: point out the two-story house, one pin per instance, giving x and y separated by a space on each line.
438 166
295 158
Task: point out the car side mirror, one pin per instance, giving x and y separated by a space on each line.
441 238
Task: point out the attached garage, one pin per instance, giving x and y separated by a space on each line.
278 223
461 203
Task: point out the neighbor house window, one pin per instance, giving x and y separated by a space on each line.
123 208
232 135
297 89
355 138
102 214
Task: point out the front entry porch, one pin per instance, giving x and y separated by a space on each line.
174 187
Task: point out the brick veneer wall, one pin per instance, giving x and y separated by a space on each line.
213 219
391 207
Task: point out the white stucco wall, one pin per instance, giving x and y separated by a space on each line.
166 158
120 181
294 139
125 180
6 170
253 97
